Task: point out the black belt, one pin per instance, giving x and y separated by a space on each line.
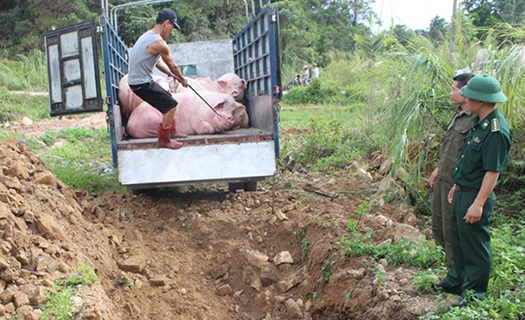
465 189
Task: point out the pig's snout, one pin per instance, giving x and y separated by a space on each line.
227 119
235 94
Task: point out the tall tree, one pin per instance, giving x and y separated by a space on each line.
437 29
23 22
487 13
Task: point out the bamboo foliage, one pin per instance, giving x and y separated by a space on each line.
418 78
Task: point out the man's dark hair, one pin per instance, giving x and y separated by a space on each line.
463 79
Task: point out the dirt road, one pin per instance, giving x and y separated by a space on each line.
38 128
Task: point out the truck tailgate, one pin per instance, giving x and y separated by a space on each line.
235 155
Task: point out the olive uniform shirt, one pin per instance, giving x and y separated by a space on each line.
486 149
457 131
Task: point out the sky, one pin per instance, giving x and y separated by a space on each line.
416 14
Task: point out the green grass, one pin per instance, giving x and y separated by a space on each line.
506 293
404 252
300 116
24 72
328 269
329 144
84 276
59 305
13 107
424 281
84 159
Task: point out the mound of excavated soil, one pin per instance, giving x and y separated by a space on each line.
202 255
43 237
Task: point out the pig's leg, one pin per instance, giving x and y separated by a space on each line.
204 127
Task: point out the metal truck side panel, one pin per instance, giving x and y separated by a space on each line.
197 163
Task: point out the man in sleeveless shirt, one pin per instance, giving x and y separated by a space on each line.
146 54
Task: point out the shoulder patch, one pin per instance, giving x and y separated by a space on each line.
495 125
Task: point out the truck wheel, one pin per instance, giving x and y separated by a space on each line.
234 186
250 186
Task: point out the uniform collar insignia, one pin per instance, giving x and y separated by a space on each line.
495 125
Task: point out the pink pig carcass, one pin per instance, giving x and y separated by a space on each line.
192 117
128 100
229 83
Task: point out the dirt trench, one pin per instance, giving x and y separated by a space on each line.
209 254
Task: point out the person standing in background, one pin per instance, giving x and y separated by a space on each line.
441 178
306 73
315 71
477 172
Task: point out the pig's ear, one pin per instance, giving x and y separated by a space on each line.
219 103
223 84
239 106
245 84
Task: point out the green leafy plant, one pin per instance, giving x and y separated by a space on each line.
84 276
126 281
380 276
363 209
424 281
83 161
302 239
404 252
328 270
59 304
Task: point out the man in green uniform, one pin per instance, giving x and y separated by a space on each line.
476 174
441 178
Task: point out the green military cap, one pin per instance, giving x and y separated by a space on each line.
484 88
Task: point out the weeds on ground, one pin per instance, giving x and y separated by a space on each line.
303 241
24 72
14 107
424 281
506 295
85 276
84 159
127 282
328 269
299 117
363 209
59 305
9 134
327 146
404 252
379 275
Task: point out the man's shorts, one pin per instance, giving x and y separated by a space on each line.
155 95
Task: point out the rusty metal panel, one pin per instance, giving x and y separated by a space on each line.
261 113
228 137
